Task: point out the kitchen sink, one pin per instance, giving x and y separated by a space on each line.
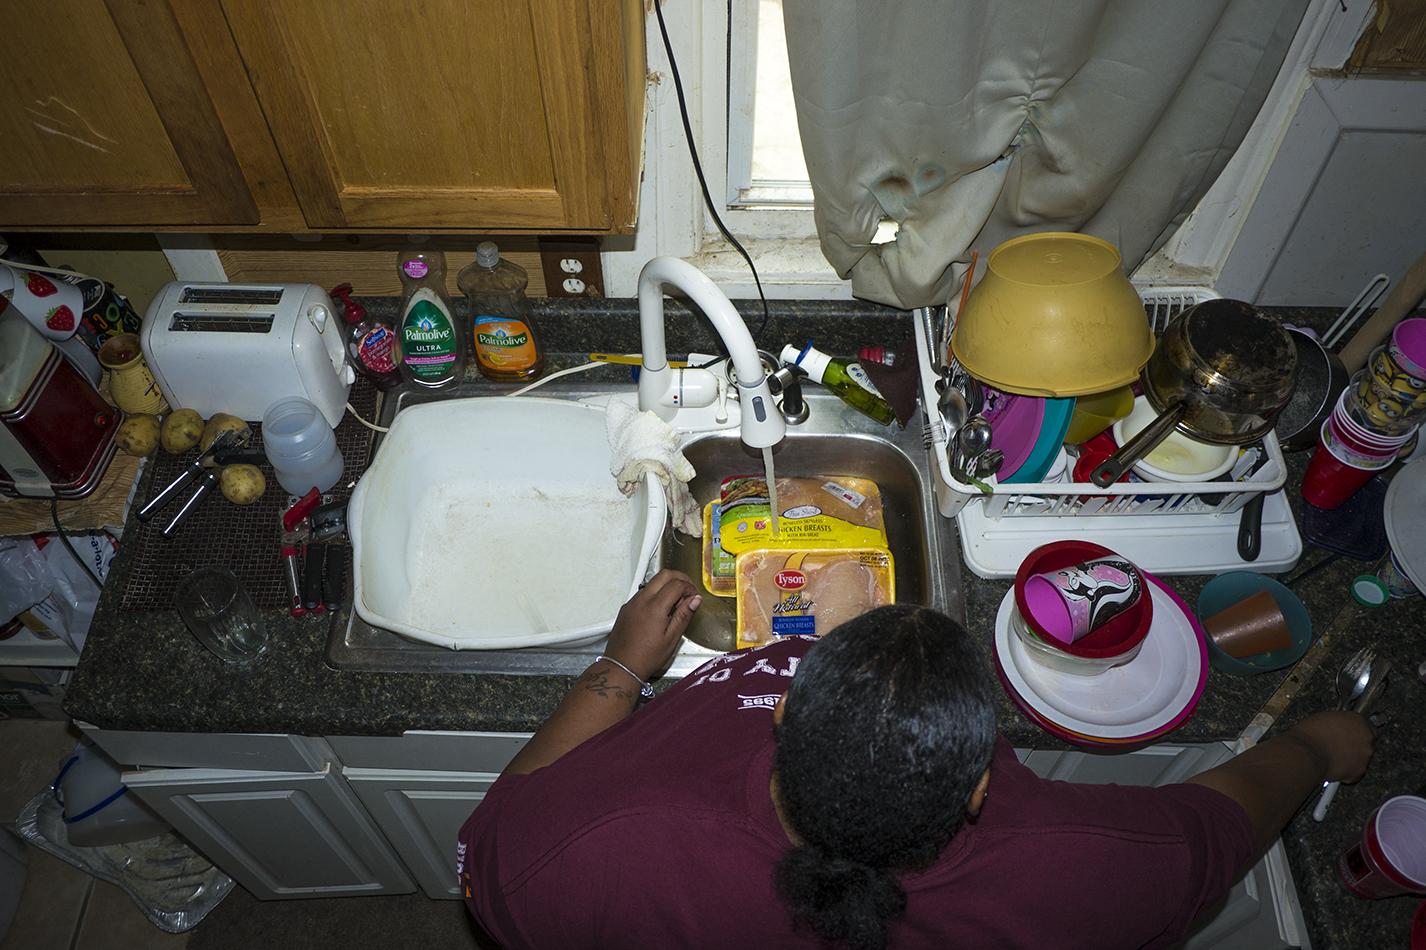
835 440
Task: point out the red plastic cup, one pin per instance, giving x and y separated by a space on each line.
1389 858
1330 481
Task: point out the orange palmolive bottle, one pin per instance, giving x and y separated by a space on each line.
503 331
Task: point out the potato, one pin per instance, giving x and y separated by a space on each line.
181 430
219 422
242 484
138 435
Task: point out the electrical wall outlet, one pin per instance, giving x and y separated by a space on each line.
571 267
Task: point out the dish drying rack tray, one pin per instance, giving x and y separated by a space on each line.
1164 527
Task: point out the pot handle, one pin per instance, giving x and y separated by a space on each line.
1113 468
1250 528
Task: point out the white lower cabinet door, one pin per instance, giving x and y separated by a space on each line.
281 835
421 813
1262 911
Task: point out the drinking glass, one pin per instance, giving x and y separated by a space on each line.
220 613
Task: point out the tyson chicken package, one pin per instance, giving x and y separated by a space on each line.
784 593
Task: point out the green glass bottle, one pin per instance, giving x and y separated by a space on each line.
846 378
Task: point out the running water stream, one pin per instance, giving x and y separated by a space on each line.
771 488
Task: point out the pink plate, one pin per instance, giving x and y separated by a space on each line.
1016 421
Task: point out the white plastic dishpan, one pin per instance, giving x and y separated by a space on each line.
1164 527
495 523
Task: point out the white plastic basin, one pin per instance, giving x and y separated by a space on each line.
494 523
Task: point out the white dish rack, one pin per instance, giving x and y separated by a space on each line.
1164 527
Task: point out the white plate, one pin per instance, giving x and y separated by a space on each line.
1124 702
1405 518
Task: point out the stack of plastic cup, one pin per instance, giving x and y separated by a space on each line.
1378 413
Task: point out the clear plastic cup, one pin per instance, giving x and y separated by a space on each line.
301 446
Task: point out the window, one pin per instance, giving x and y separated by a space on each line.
770 218
765 163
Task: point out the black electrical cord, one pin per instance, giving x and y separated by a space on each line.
54 515
698 167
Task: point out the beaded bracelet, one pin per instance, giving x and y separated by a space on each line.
647 690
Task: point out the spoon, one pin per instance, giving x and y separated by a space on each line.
972 441
952 406
1354 675
989 463
1372 682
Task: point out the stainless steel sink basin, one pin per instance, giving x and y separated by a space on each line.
835 440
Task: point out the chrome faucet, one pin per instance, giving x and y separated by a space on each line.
665 391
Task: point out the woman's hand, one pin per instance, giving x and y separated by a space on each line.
650 626
1344 741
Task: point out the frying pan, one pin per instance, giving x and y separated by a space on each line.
1222 372
1321 377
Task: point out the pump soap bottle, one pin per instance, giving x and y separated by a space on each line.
846 378
370 342
429 339
507 341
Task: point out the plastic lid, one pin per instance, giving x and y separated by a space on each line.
1369 591
487 254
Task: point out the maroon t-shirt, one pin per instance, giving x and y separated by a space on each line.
660 832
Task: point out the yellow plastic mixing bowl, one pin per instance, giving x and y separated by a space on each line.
1054 316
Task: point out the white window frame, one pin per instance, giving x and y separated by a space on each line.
672 218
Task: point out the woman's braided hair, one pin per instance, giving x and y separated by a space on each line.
888 726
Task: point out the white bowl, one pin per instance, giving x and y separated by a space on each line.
494 523
1054 658
1177 458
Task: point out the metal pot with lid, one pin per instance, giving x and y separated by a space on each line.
1221 373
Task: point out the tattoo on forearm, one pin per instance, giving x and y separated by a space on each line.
597 681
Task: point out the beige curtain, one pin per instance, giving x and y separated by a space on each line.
970 122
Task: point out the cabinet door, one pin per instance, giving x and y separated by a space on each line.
446 114
278 834
421 814
112 115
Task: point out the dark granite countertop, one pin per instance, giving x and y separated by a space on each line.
144 671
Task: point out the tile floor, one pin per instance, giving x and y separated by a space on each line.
61 907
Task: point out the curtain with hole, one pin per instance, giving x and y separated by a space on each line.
970 122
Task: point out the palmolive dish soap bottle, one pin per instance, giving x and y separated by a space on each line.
429 337
507 342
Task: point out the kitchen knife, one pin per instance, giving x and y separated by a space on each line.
335 576
312 568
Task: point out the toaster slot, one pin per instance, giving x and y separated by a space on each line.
247 296
222 322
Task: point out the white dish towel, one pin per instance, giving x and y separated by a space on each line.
641 442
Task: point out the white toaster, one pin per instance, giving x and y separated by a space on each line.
238 348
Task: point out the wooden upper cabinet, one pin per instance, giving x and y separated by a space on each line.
510 114
107 119
324 115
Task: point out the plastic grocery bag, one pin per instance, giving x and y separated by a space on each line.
40 579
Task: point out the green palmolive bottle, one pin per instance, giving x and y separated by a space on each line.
429 339
846 378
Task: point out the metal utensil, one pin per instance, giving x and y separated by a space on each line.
224 440
972 440
1376 683
989 463
212 472
1352 678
